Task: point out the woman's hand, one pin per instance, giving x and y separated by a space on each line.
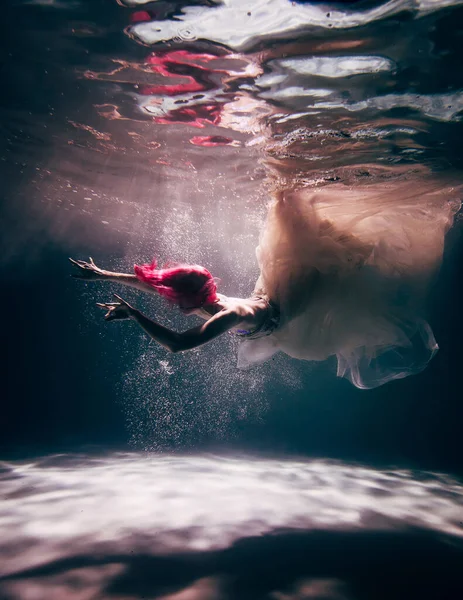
87 270
117 310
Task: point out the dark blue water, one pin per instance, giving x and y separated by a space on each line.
131 129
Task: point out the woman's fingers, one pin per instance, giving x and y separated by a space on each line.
83 264
115 310
77 263
120 300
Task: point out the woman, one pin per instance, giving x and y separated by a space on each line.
194 290
343 273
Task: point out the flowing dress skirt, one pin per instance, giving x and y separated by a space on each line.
349 269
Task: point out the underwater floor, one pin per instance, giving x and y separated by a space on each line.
135 526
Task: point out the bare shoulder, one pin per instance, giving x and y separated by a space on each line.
245 309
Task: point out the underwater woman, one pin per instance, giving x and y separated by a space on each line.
343 272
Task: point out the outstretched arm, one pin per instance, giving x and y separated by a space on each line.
171 340
88 271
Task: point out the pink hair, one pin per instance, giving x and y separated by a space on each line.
188 286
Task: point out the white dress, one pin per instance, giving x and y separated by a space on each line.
348 270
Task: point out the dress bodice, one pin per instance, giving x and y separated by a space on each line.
268 325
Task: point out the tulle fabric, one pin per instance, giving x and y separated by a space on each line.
349 270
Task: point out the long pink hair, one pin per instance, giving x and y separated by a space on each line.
188 286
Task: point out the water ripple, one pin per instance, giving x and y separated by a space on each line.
237 25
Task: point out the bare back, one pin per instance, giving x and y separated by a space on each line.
252 312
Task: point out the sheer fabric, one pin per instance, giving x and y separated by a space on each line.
349 270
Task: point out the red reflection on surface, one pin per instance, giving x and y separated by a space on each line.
196 116
195 76
194 69
140 16
171 90
211 140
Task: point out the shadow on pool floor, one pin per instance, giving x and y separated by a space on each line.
372 565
